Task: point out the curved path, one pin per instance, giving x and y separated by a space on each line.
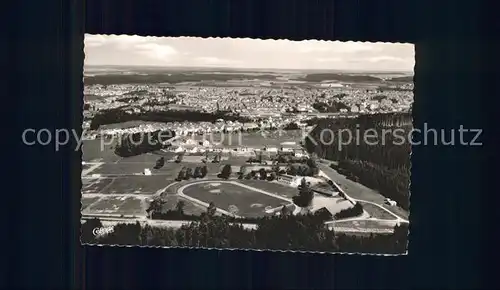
330 174
363 217
180 192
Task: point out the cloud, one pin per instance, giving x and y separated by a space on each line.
385 58
314 46
329 59
155 50
246 53
94 40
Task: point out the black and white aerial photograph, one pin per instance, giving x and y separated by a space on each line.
222 143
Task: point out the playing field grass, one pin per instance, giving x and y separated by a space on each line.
272 187
136 185
397 210
86 201
128 185
88 181
122 168
92 151
116 205
233 198
359 191
365 225
376 212
97 185
85 167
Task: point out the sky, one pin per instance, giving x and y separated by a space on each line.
133 50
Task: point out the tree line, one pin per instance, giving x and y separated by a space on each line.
132 144
120 115
329 107
380 165
284 232
392 183
171 78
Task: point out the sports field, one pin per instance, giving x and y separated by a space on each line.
272 187
234 198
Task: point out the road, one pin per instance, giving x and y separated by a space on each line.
348 187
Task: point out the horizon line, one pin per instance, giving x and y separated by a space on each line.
248 68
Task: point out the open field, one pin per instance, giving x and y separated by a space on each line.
376 212
233 198
86 201
272 187
130 185
92 151
121 168
97 185
397 210
363 226
85 167
359 191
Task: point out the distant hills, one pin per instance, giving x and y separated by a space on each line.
134 75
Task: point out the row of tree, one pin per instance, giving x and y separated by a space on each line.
354 211
132 144
382 163
329 107
301 170
284 232
305 196
120 115
261 174
382 145
187 173
288 158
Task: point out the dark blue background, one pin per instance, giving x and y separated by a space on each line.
450 190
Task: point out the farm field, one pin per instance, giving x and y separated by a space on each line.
86 201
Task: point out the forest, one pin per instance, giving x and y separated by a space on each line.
382 164
120 115
171 78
